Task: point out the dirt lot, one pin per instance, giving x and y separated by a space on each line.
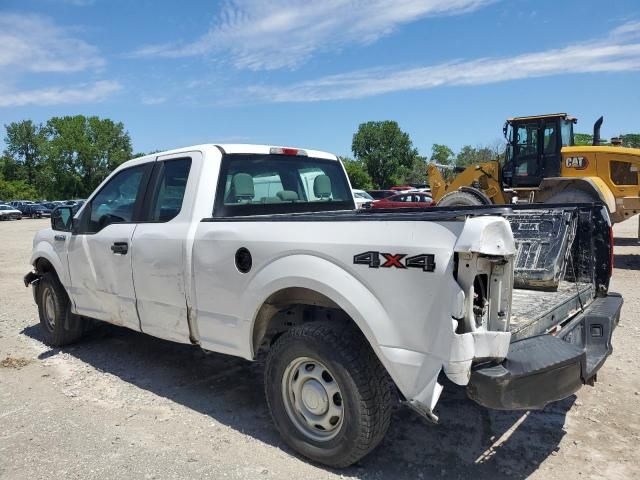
124 405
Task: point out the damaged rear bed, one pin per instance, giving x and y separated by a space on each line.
562 317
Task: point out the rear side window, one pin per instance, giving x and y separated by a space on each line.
169 189
271 184
623 173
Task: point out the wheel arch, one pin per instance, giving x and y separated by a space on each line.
44 259
594 186
344 293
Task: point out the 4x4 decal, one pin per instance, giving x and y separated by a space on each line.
425 261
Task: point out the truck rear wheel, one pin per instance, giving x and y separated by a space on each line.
59 326
328 394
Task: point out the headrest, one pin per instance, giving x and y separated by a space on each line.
322 186
242 184
287 195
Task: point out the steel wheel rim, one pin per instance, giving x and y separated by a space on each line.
49 308
312 399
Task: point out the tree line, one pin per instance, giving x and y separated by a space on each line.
384 155
67 157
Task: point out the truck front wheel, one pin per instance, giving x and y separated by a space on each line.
328 394
59 326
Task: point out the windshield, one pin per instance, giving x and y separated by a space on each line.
268 184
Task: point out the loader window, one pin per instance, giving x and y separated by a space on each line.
623 173
566 132
550 138
527 139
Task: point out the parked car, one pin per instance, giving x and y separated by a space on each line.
51 205
362 198
405 200
35 210
7 212
354 311
380 194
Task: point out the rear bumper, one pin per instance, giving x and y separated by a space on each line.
546 368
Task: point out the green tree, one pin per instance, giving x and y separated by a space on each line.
16 190
583 139
631 140
416 175
358 175
383 148
81 151
469 155
25 141
441 154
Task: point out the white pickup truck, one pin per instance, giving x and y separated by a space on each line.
241 249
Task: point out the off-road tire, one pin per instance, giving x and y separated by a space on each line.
459 199
572 196
364 384
53 301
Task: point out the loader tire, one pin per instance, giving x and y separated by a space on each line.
459 199
572 196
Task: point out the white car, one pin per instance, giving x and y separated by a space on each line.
244 249
7 212
362 198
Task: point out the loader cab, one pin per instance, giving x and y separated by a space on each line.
533 148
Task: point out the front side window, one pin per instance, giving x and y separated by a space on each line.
170 189
268 184
115 202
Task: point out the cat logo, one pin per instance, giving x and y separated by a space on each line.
579 163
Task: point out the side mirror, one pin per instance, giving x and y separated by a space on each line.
62 219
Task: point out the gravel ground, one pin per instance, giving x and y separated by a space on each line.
124 405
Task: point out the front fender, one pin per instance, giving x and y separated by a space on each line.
43 249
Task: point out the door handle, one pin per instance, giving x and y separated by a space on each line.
120 248
60 238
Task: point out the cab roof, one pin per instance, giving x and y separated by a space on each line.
547 115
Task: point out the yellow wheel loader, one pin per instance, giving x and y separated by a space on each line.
542 165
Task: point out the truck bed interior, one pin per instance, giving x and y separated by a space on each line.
554 268
535 311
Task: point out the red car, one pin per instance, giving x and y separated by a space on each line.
405 200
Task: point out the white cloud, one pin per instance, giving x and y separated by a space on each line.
31 43
608 56
149 100
85 93
272 34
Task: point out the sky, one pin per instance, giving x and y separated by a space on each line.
307 73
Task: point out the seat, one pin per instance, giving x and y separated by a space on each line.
242 190
322 187
287 196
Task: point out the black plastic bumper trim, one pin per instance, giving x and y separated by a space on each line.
546 368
